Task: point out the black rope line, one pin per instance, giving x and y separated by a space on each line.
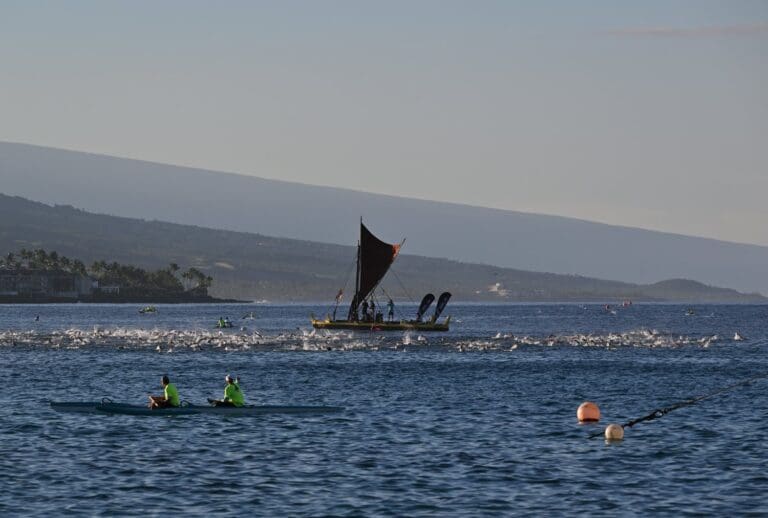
661 412
337 301
403 286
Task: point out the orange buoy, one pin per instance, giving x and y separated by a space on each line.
614 432
588 412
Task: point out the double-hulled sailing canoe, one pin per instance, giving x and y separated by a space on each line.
402 325
374 258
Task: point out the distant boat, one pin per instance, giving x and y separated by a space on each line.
148 309
374 258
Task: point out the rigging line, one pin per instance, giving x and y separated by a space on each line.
660 412
402 243
397 309
346 281
402 286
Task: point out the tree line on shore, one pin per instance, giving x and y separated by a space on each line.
129 278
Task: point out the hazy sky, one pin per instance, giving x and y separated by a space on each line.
651 114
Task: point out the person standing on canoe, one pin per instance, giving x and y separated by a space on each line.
233 396
390 310
170 397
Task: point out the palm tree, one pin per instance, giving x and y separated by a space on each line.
187 276
25 255
79 267
96 268
199 280
54 259
40 258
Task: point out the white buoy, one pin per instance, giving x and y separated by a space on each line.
614 432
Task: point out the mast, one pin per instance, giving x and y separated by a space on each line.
357 274
355 302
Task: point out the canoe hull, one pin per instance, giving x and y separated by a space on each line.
97 407
123 409
403 325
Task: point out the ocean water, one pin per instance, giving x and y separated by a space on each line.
477 421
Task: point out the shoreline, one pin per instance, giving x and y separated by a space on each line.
131 300
314 303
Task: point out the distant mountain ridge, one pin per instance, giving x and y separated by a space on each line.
252 266
134 188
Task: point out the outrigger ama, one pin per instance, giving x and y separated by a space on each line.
374 258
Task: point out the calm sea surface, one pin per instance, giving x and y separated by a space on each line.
478 421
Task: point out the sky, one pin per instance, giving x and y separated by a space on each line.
649 114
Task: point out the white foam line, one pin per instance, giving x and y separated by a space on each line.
165 340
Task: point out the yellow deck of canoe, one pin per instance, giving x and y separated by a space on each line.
402 325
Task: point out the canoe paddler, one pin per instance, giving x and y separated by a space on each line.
233 396
170 397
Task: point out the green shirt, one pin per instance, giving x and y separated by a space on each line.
171 394
233 393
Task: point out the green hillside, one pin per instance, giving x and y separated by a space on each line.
253 267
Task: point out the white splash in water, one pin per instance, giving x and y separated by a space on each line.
166 340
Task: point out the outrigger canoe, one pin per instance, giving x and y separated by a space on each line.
108 407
